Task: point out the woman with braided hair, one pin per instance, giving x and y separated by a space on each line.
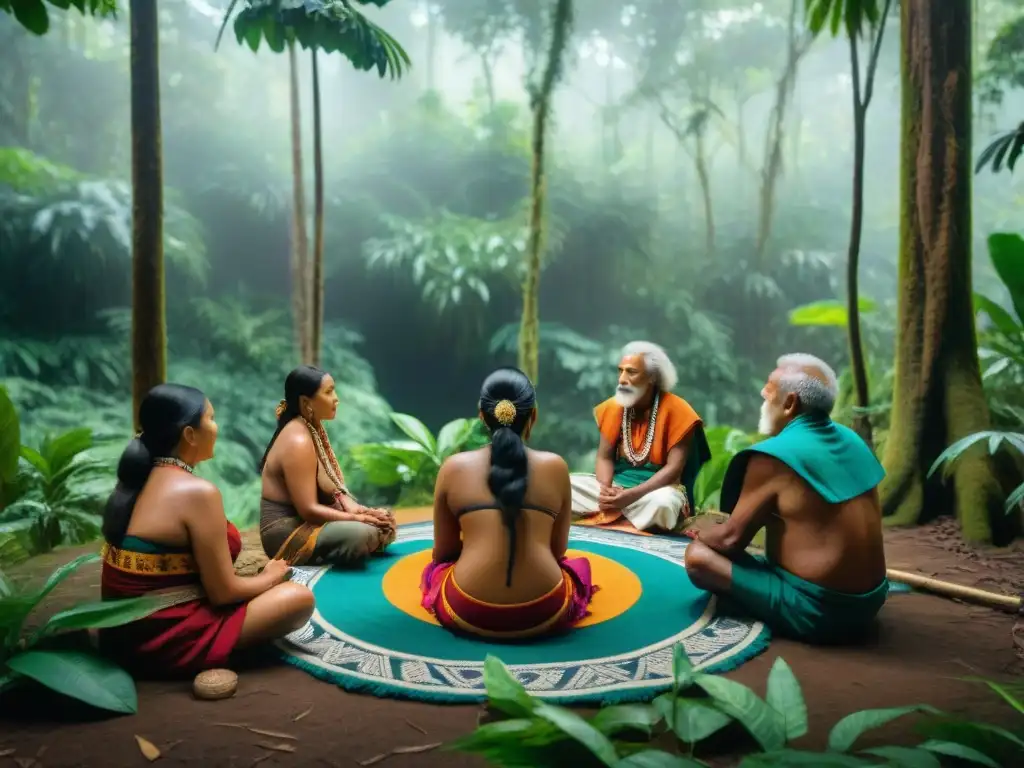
307 514
501 529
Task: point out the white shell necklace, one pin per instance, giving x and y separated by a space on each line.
635 458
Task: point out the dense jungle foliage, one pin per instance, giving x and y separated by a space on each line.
698 187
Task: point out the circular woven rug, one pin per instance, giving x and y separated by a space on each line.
369 633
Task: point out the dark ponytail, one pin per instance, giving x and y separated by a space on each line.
303 381
163 415
507 401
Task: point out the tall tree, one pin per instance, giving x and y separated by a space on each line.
860 20
937 393
149 331
540 103
300 235
330 26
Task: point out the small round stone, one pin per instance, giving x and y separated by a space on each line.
215 684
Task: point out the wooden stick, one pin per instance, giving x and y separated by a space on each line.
949 589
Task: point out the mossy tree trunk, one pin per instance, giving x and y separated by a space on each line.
316 304
937 396
149 331
529 329
300 237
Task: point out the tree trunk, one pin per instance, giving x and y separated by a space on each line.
861 102
488 70
149 332
316 305
300 236
529 330
700 164
937 395
775 136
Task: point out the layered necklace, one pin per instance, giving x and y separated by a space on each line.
170 461
325 452
638 458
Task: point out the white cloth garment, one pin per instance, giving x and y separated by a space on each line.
663 508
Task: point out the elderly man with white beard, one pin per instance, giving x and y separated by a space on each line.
651 447
812 485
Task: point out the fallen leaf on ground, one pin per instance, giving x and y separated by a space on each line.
39 752
148 749
415 749
171 745
7 752
276 747
273 734
232 725
261 758
301 715
400 751
25 762
413 725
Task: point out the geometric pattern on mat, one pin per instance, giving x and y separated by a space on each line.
435 666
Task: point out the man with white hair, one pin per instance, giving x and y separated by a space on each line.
650 449
812 486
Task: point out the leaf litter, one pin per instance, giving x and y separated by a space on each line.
147 748
301 715
400 751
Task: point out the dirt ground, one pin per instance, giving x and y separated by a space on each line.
924 644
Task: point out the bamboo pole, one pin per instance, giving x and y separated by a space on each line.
959 591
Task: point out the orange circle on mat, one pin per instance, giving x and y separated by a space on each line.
620 587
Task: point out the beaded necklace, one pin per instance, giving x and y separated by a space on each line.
170 461
638 458
324 451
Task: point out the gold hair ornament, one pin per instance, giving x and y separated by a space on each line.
505 412
281 407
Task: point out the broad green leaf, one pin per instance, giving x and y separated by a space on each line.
1008 697
453 436
10 438
32 15
504 692
735 699
515 731
652 758
98 615
905 757
960 752
827 313
988 739
691 720
1001 319
795 758
580 730
28 603
626 717
416 430
683 674
852 727
61 450
785 697
1007 254
83 676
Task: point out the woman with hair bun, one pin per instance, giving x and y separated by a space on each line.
167 536
307 514
501 528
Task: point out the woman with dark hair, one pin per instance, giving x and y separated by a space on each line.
166 535
307 514
501 529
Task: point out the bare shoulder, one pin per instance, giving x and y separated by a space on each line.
196 492
295 436
764 471
548 462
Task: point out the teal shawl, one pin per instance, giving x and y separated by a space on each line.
831 458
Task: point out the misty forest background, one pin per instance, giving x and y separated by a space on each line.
697 193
